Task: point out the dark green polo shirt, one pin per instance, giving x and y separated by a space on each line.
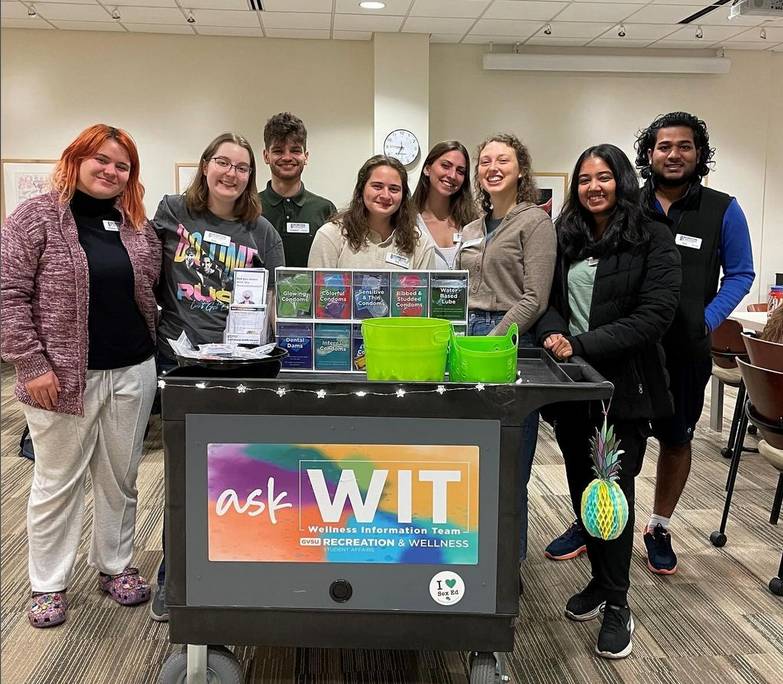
296 219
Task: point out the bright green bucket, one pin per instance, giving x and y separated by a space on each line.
484 358
408 349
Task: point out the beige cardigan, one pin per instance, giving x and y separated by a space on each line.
512 272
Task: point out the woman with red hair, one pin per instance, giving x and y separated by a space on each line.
78 322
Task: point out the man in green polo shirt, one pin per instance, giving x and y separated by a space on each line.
295 212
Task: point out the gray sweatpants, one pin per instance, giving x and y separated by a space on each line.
108 440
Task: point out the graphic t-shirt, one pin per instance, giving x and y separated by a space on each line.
200 254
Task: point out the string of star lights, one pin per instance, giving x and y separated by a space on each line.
283 390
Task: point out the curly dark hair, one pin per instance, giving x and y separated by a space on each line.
626 224
285 126
247 206
526 186
646 139
461 204
353 220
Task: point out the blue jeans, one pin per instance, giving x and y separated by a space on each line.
481 323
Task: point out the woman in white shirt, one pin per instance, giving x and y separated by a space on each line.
444 200
378 229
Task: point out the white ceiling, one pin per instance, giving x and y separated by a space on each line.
647 23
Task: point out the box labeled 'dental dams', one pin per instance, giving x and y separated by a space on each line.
332 349
297 338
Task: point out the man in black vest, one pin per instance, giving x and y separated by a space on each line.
712 235
710 230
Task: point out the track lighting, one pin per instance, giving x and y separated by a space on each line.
621 31
548 29
190 18
31 12
763 33
115 14
699 33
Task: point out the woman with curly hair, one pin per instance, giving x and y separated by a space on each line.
378 229
510 254
79 265
444 199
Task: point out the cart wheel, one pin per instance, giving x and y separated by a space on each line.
222 668
718 539
776 586
752 430
725 452
487 668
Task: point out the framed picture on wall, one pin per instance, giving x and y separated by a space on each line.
23 179
552 188
183 175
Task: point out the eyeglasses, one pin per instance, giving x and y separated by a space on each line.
225 165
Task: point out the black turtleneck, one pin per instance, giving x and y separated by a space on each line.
117 333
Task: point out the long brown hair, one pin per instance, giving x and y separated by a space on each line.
247 206
88 142
773 330
354 222
462 207
526 186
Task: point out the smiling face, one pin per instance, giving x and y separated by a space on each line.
447 173
382 194
286 158
105 174
674 158
498 168
597 187
227 183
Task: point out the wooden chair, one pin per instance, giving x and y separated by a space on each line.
762 353
761 306
727 346
765 409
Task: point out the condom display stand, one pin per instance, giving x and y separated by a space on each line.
328 511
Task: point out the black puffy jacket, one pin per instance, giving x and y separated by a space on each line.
635 297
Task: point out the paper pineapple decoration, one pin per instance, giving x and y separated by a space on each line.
604 506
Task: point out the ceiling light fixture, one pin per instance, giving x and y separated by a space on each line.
115 14
548 29
621 31
699 33
763 33
190 18
31 12
372 5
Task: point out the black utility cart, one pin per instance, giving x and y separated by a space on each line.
383 603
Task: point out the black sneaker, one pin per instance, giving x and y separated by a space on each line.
585 605
159 611
568 545
614 639
661 558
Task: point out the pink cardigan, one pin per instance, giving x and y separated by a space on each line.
45 291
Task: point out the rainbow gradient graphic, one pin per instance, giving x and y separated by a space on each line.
343 503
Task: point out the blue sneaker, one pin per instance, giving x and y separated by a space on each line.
661 558
568 545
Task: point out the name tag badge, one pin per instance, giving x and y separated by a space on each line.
302 228
111 225
456 238
687 241
217 238
592 262
471 243
398 260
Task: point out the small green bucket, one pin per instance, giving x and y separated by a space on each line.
484 358
407 349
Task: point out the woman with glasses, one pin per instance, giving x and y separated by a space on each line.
212 229
444 200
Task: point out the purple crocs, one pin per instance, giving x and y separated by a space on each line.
47 610
128 588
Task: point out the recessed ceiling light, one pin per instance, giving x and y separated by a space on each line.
372 5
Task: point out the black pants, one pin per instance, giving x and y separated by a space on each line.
610 560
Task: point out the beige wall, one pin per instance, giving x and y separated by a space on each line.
174 93
559 115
